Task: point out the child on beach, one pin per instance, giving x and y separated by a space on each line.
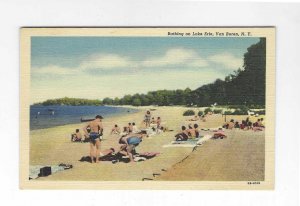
95 134
153 121
158 123
115 130
76 137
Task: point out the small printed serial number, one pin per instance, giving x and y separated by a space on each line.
253 183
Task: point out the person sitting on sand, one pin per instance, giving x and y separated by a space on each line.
255 124
262 122
135 128
147 119
250 125
243 125
96 131
115 130
236 125
203 118
130 129
231 124
183 135
76 137
153 121
196 129
191 131
124 132
247 120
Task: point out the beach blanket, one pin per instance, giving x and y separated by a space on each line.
118 157
35 170
190 142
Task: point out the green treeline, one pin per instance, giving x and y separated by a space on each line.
70 101
243 87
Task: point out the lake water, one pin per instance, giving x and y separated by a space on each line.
51 116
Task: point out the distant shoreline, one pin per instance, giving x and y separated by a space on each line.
63 120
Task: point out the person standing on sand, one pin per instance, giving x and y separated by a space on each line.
147 119
96 131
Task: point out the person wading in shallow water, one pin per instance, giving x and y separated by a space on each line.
95 133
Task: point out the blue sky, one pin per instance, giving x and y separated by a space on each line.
98 67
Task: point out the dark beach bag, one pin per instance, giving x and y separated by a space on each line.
45 171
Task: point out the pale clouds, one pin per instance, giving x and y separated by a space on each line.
105 61
228 60
172 58
176 56
53 69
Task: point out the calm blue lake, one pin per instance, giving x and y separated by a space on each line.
51 116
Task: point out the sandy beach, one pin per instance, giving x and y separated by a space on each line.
240 157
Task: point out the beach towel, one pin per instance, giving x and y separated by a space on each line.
190 142
36 171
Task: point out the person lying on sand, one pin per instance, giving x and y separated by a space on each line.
219 134
195 118
115 130
183 135
203 118
96 131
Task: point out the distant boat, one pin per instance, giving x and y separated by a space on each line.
86 120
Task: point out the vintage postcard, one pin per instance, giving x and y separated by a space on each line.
147 108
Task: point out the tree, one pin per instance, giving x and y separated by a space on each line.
136 102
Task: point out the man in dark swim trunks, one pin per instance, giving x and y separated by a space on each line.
95 133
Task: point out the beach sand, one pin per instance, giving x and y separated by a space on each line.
239 157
